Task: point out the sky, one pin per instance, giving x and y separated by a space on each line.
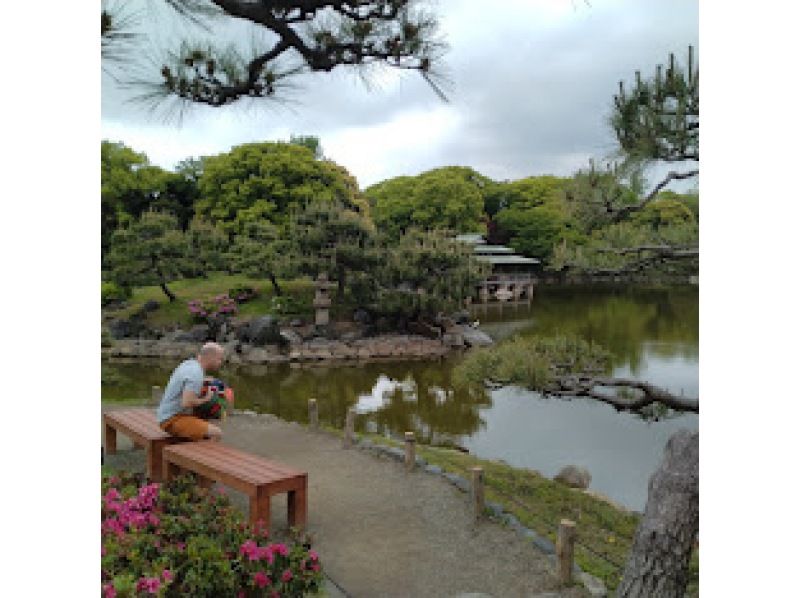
530 94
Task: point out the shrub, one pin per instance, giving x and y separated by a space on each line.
177 539
288 304
242 293
204 310
111 292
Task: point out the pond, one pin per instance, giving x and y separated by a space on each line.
653 334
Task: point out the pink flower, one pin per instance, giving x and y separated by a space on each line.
265 553
249 548
109 591
261 579
280 549
315 568
287 576
312 554
112 494
180 546
148 584
167 575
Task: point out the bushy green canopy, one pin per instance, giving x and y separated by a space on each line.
267 181
449 198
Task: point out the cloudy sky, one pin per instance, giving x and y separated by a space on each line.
532 85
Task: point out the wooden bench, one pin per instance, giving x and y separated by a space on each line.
141 427
255 476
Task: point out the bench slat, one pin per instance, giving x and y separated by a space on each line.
139 421
228 460
229 457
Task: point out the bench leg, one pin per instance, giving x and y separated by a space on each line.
154 461
297 501
169 470
111 440
259 509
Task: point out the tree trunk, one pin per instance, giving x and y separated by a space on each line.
167 292
275 284
658 565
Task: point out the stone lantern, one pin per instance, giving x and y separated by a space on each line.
322 299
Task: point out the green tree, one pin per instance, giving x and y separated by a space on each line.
305 37
424 273
208 249
530 215
444 198
633 231
328 237
266 181
308 141
149 250
259 251
130 186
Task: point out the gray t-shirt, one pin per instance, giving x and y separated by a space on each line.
188 375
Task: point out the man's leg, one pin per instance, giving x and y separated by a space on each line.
187 426
213 432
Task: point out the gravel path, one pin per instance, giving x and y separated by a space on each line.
381 531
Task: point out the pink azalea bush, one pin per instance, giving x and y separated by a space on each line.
178 539
207 309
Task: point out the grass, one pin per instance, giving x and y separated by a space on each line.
177 312
604 532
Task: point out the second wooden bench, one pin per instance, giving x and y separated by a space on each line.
255 476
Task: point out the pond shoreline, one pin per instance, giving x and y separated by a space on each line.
323 351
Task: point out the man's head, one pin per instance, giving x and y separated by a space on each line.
211 356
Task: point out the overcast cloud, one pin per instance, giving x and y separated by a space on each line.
532 88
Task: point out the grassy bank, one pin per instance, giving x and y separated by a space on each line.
300 293
604 532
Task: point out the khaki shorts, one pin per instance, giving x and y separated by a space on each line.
185 426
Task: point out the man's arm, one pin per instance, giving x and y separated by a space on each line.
189 398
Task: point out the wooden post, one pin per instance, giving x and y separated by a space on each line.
411 457
477 492
155 395
565 550
349 425
313 414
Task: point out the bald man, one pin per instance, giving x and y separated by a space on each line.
183 393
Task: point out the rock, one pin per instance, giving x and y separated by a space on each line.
361 316
366 444
593 585
119 329
574 477
434 469
149 306
424 330
264 331
395 453
512 522
457 481
420 462
351 335
291 337
475 337
461 317
496 509
297 322
453 339
196 334
543 544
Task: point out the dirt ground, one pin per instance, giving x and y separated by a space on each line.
382 532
